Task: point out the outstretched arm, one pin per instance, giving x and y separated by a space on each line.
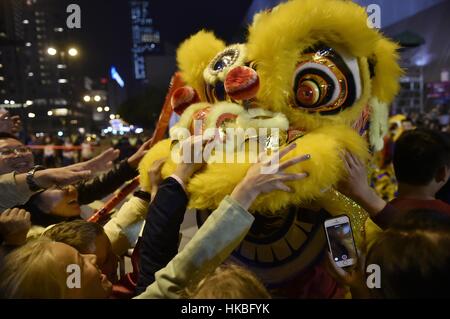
223 230
165 215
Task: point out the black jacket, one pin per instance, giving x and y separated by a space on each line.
105 184
159 243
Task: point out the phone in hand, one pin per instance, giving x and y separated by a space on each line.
340 241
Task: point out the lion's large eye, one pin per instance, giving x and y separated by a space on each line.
326 82
308 92
315 86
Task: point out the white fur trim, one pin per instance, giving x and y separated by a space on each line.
221 108
378 123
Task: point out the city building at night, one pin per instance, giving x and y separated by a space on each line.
145 38
39 65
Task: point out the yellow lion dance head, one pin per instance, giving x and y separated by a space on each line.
321 72
314 70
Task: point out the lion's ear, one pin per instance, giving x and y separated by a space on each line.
193 56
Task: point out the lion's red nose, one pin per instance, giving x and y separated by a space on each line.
242 83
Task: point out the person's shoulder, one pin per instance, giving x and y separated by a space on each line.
400 201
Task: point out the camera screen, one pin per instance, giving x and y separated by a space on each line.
341 242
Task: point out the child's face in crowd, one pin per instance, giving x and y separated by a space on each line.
107 261
60 202
93 284
14 156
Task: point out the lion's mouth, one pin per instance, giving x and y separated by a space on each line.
293 239
235 126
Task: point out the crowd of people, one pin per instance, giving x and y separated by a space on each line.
437 118
44 240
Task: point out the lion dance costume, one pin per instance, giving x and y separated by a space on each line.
314 70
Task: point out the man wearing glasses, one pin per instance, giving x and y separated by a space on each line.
14 156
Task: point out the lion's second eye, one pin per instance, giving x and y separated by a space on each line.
227 59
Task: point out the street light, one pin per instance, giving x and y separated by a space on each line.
86 98
62 62
97 98
51 51
72 52
99 109
106 108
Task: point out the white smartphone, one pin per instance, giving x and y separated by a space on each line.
340 240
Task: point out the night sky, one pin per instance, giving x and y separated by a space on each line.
105 35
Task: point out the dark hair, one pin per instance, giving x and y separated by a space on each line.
79 234
39 217
419 154
414 256
228 282
5 135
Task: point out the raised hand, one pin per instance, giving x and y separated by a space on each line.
14 226
60 176
101 162
263 177
356 186
154 174
353 277
192 156
134 159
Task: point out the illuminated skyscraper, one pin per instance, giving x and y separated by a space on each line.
145 39
36 67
